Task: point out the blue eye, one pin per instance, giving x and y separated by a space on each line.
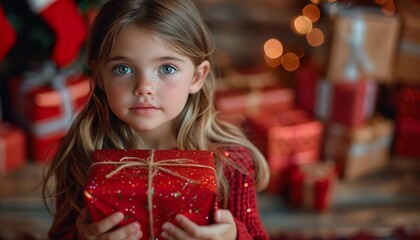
167 69
122 70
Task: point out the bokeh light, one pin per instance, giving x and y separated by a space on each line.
388 8
272 62
302 25
315 38
312 12
315 1
290 61
273 48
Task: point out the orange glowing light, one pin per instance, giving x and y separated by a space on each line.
302 25
315 38
290 61
273 48
272 62
315 1
388 8
312 12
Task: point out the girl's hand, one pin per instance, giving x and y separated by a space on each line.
102 228
224 228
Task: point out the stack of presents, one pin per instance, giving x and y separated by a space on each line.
326 127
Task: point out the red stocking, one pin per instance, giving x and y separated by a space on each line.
7 35
69 27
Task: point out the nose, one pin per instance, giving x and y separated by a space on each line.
144 86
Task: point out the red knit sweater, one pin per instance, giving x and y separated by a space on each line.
242 201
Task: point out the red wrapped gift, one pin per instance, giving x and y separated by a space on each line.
152 187
287 139
407 138
12 148
312 185
353 102
46 109
407 101
307 78
235 105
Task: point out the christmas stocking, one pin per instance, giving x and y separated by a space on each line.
7 35
68 24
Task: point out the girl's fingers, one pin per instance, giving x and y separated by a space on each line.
223 216
105 224
170 231
130 231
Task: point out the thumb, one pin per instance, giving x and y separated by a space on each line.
223 216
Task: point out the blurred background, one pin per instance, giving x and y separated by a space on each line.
328 90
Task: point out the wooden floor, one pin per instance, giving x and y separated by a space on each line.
379 203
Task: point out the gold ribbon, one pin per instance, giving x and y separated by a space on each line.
153 168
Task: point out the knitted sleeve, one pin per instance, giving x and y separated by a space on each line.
243 196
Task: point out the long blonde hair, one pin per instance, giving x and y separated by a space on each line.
178 23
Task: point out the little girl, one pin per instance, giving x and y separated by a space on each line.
153 88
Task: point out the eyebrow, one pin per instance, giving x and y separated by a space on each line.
158 59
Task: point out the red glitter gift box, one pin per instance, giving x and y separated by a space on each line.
152 187
12 148
312 186
235 105
45 110
287 139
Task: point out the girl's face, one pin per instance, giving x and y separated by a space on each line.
147 84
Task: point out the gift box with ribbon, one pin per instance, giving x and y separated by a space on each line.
45 104
353 102
286 138
361 151
364 45
152 187
407 71
12 148
312 186
235 105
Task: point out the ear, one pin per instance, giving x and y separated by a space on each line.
200 76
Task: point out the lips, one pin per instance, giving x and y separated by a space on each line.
144 108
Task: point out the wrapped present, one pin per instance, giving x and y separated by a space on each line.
353 102
361 151
152 187
364 45
286 138
312 185
350 103
235 105
407 137
407 101
307 78
12 148
407 71
45 105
